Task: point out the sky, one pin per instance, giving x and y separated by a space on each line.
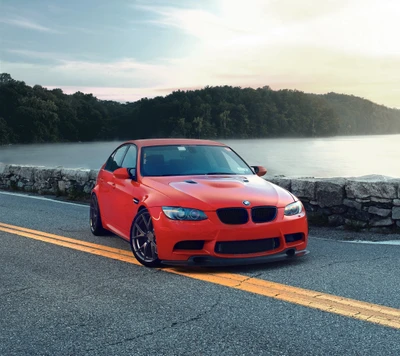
128 49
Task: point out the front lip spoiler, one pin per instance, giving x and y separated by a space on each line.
210 261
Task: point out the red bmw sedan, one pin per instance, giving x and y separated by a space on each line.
195 202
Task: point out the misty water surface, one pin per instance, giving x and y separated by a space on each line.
342 156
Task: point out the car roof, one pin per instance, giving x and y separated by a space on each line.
173 141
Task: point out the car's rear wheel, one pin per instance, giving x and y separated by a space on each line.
143 240
96 226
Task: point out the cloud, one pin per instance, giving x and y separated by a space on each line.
126 72
35 54
55 57
344 46
349 46
27 24
83 30
362 26
303 68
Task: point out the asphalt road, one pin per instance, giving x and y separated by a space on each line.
56 300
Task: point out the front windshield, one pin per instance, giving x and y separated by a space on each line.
179 160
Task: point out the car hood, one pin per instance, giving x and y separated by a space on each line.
214 192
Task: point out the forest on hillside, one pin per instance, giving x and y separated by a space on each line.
36 114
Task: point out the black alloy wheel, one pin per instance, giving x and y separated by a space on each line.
143 240
96 226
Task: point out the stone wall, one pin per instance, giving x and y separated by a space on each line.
364 203
73 183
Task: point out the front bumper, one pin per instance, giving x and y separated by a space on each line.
211 261
212 233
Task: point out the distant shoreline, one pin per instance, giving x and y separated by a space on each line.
39 115
204 138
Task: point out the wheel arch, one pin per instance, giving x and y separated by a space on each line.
142 207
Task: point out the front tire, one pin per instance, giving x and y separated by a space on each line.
143 240
96 226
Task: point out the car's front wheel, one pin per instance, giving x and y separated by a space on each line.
143 240
96 226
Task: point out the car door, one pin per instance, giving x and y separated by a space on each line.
107 186
125 196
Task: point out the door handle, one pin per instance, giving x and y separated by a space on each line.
112 184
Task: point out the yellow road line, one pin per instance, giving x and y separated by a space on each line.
352 308
60 240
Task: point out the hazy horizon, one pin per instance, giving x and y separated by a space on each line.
129 49
347 155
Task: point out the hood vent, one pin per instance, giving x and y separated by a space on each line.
190 181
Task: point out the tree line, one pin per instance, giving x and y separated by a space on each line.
36 114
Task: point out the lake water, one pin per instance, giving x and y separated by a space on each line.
341 156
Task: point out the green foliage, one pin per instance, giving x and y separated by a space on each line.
362 117
4 132
35 114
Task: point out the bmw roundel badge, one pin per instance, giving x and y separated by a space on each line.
246 203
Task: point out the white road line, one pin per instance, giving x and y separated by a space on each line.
42 198
389 242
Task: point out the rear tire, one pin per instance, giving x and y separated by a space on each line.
96 226
143 240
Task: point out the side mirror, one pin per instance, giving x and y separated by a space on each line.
122 173
259 170
132 173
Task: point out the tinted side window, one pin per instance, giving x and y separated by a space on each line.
115 160
130 157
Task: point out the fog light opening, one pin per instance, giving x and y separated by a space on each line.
189 245
294 237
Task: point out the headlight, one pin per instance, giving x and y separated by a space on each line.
177 213
293 208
